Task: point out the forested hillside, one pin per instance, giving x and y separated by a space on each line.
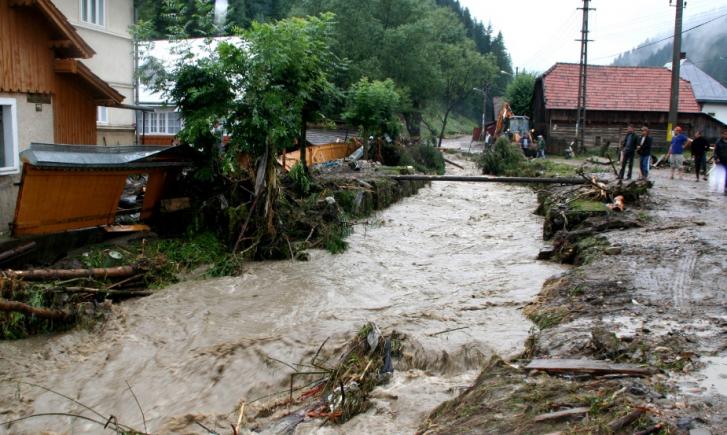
705 47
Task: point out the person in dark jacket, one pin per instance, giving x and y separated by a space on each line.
629 148
699 152
720 153
643 149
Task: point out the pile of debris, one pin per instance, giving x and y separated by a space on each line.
336 393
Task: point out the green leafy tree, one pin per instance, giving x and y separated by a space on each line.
372 107
520 93
462 68
261 92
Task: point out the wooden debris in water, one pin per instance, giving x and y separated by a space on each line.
594 367
567 413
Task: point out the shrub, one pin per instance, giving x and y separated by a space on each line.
505 158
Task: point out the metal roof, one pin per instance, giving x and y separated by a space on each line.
706 89
319 136
87 156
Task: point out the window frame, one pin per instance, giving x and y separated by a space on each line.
157 123
102 110
9 106
99 18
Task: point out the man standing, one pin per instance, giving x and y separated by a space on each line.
679 140
541 146
644 151
629 148
720 154
699 152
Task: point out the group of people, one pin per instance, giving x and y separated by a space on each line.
530 147
633 145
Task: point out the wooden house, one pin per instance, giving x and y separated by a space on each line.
616 96
46 94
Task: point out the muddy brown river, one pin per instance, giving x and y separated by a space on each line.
453 256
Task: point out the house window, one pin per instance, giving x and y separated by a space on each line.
8 136
102 115
168 123
93 12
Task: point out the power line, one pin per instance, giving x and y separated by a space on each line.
664 39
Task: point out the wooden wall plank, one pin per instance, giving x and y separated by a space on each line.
26 59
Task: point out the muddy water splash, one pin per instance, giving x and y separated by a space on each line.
454 256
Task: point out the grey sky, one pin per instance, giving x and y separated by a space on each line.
540 33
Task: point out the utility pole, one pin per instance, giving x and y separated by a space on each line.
675 69
582 79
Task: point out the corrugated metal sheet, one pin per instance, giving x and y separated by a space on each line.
75 156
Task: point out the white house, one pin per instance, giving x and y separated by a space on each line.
105 26
710 94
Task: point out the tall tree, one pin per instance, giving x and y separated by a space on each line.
372 107
259 92
520 93
462 68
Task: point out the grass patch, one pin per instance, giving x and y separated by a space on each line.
588 206
548 317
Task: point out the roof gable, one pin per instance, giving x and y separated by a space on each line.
103 94
617 88
69 42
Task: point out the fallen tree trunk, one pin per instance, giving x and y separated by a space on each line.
594 367
22 249
117 293
626 420
50 274
43 313
480 179
454 164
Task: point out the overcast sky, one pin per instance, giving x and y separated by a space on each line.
540 33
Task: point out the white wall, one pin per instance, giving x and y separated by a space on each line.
114 59
32 126
719 110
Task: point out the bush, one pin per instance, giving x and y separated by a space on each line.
505 158
428 158
424 158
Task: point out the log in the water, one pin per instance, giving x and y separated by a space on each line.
49 274
453 163
480 179
43 313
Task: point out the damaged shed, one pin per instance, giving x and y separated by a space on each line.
72 187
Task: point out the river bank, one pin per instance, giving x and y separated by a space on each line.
649 293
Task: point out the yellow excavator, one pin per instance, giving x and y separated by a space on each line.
517 125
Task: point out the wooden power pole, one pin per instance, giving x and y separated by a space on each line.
675 69
582 79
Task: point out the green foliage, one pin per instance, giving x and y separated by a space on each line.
372 106
462 68
301 180
428 158
504 159
184 254
520 93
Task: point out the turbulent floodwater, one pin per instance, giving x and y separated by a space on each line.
454 256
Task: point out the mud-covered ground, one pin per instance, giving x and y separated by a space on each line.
654 295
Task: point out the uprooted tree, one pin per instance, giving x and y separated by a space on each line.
252 96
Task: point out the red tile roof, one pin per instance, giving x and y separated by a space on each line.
621 88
